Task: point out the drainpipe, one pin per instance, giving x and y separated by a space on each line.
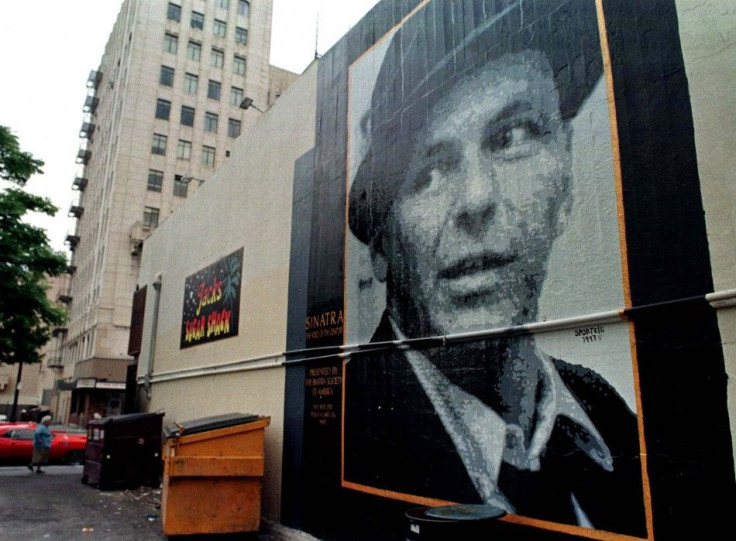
154 330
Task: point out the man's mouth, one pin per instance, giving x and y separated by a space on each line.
471 266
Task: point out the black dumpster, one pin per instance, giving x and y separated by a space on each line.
453 522
124 451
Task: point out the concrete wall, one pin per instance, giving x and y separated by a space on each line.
708 33
628 289
630 307
280 80
30 393
246 204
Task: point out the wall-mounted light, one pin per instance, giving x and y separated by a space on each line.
186 179
247 103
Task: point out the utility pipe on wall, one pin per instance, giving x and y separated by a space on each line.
154 330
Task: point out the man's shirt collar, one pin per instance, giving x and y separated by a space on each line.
476 430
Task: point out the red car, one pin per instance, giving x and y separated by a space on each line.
16 444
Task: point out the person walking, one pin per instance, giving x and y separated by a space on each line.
41 445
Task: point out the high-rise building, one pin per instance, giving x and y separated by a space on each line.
171 94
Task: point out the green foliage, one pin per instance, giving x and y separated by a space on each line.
15 165
26 260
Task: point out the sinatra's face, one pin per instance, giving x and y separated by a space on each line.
469 235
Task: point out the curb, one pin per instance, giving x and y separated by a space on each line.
279 532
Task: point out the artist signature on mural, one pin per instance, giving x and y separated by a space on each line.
590 334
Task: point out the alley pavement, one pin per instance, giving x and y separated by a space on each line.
56 506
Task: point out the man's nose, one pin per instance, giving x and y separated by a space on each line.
476 202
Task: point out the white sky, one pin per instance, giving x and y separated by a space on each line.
50 46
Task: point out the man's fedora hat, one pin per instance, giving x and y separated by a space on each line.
436 48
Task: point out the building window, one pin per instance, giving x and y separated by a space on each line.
222 4
159 144
243 8
183 150
217 58
233 127
208 156
236 95
194 51
171 43
163 108
174 12
150 217
187 116
219 29
238 65
213 90
241 35
180 188
210 122
197 20
190 83
155 180
167 76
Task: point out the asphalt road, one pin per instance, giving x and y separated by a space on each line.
56 506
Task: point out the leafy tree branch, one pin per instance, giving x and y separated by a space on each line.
27 316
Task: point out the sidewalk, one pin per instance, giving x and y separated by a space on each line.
56 506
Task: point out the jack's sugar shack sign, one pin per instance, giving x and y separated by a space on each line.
212 302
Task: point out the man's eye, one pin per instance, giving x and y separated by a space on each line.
520 134
514 140
424 179
431 172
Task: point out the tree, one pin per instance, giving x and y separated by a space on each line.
15 165
26 260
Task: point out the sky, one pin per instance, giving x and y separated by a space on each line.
50 46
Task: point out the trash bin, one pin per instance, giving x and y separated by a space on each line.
124 450
468 521
213 470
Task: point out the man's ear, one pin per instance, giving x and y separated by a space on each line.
566 197
565 207
379 264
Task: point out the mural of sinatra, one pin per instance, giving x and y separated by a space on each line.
463 185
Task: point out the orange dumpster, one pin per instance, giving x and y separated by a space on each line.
213 470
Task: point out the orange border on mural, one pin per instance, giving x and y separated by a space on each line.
618 180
